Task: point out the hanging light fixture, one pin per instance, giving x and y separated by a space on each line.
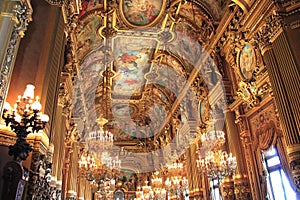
86 164
157 186
217 165
101 139
210 139
176 184
111 162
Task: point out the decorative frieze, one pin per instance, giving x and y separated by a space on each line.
55 2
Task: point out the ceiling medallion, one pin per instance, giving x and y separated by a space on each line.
141 13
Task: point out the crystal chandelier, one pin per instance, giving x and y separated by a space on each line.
157 185
217 165
111 162
145 192
176 184
101 139
86 164
211 139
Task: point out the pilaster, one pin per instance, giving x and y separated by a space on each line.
281 62
14 18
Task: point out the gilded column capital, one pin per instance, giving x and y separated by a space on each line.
249 93
269 32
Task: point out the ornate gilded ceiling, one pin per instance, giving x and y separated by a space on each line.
138 67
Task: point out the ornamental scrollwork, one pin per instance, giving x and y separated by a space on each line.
249 93
55 2
270 29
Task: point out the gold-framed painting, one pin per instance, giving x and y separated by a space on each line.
141 13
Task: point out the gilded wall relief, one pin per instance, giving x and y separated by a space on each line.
86 37
247 61
192 13
141 13
132 62
264 125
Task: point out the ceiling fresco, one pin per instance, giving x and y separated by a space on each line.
141 12
86 38
131 63
136 61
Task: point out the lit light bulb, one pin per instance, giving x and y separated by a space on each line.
6 106
29 92
44 118
18 118
36 106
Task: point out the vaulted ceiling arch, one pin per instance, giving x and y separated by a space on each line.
135 66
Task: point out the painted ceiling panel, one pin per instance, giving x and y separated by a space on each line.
132 62
132 74
141 12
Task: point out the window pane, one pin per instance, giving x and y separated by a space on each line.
217 194
277 185
290 193
270 194
271 152
273 161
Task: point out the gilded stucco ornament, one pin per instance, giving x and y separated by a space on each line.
249 93
55 2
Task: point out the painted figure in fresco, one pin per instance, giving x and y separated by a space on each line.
129 75
140 12
246 61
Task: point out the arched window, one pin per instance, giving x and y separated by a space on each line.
278 185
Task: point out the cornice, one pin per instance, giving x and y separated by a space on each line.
223 25
259 11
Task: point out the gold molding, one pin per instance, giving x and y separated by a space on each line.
243 4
